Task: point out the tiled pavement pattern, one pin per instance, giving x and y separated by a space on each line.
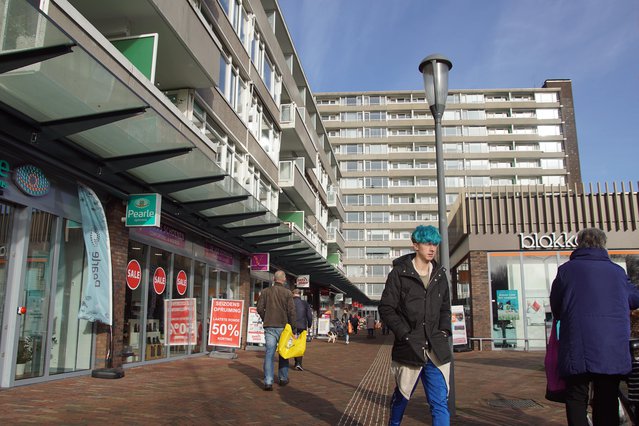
342 384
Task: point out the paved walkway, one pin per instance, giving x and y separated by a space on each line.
342 385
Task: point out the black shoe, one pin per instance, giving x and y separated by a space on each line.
299 367
268 387
283 382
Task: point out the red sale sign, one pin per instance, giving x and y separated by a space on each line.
181 317
225 327
181 282
159 280
133 274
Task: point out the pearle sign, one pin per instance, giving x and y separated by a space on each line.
553 240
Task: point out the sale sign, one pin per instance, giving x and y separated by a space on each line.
225 325
254 329
181 316
181 282
133 274
159 280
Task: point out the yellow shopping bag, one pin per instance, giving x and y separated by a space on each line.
290 347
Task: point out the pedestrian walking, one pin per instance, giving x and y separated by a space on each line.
354 322
303 320
370 325
415 305
276 308
591 297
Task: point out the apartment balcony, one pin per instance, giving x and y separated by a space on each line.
295 135
335 240
335 206
295 186
187 54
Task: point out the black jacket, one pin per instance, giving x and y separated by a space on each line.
416 315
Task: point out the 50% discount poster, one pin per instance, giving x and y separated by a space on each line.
225 327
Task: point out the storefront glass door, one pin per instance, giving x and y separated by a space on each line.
32 332
6 221
158 290
71 337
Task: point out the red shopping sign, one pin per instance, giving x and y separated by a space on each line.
181 317
181 283
133 274
225 327
159 280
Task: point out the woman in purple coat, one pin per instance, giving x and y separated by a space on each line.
592 298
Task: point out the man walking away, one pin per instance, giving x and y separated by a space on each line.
304 319
591 297
276 308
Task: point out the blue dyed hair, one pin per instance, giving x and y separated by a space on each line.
426 234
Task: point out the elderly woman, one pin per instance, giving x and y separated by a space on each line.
592 297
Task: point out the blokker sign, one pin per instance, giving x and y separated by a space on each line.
549 241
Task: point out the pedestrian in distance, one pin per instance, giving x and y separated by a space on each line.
370 325
354 322
303 320
591 297
276 308
415 305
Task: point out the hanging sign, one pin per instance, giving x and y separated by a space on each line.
259 262
225 327
181 282
133 274
159 280
303 281
144 210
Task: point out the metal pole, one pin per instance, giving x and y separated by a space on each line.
444 255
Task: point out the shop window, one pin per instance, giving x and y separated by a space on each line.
134 324
158 291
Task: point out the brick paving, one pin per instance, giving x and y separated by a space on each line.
342 385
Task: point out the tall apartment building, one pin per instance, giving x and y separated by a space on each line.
204 102
385 145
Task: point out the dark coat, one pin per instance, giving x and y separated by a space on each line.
416 315
303 314
592 297
275 306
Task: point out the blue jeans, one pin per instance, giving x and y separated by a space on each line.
272 336
436 394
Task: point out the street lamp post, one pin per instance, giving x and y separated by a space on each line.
435 69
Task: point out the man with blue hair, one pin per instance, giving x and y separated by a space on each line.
415 305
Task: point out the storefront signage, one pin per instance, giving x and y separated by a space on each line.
144 210
225 327
181 282
164 233
549 241
339 297
303 281
259 262
133 274
181 316
348 300
458 324
254 329
30 180
4 173
159 280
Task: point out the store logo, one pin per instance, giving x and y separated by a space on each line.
551 241
4 173
31 180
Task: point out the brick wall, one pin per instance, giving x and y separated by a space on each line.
480 295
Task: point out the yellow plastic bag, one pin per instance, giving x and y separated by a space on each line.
290 347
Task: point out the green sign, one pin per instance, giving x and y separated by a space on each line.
4 173
296 217
141 50
143 210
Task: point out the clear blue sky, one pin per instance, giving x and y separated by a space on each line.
359 45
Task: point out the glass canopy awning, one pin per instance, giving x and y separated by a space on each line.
105 123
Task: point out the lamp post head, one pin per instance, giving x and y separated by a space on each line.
435 71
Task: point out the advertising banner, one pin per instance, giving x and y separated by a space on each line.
259 262
254 329
144 210
225 325
303 281
507 305
181 316
458 325
97 297
323 326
